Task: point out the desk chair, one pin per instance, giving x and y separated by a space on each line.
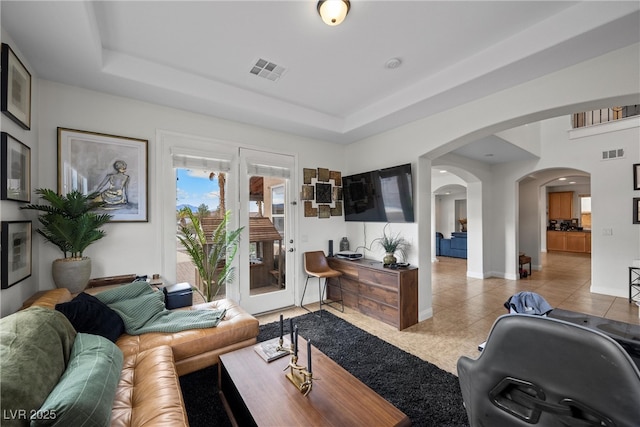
547 372
316 265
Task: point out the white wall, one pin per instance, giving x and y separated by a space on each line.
611 199
446 215
611 192
11 298
557 94
137 247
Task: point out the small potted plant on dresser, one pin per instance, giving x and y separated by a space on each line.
392 243
69 223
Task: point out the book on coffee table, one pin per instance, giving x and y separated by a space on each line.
268 350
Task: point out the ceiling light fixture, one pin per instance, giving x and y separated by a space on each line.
393 63
333 12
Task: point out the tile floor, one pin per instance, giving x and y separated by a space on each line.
464 308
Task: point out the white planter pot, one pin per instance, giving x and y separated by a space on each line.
72 274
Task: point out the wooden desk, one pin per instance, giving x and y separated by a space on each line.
382 293
255 392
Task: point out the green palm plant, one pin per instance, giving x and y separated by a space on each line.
68 221
212 257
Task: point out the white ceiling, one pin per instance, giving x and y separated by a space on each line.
197 56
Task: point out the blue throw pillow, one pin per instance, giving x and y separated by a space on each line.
89 315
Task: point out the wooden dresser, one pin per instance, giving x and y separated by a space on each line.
385 294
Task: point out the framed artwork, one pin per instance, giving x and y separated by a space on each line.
636 210
16 252
322 192
113 166
636 176
16 169
16 88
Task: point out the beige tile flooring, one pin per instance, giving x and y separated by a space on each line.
464 309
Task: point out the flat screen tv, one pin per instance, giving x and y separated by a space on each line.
384 195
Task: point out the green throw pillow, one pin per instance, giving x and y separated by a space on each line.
35 347
85 393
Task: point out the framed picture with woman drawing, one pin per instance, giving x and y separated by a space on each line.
113 166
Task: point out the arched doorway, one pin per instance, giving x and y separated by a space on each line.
534 215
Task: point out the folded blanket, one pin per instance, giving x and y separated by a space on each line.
142 310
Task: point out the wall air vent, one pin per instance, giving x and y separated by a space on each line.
613 154
267 70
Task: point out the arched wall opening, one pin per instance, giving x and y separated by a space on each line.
555 95
533 214
450 175
507 239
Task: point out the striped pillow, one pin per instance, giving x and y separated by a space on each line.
85 393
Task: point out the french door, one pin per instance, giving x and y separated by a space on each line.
267 252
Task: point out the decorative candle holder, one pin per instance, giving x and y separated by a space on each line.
300 376
281 347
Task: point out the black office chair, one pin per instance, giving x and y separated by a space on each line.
541 371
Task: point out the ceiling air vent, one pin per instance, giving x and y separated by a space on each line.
266 69
613 154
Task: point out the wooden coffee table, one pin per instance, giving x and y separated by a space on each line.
255 392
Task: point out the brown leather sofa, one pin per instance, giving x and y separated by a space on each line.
148 392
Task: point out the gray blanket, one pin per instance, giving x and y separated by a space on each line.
142 310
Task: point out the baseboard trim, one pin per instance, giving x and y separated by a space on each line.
425 314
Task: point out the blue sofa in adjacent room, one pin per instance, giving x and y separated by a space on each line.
455 247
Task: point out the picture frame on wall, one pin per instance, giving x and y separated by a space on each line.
636 210
16 260
16 169
636 176
113 166
15 101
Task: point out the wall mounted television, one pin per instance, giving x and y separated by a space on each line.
383 195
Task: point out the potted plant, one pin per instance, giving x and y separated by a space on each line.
69 223
392 244
211 256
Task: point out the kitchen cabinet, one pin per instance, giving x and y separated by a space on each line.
569 241
556 241
561 205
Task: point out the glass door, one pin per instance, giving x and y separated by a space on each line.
266 251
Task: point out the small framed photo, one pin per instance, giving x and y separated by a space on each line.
16 252
16 88
113 166
16 169
636 176
636 210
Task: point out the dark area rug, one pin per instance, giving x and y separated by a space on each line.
428 395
